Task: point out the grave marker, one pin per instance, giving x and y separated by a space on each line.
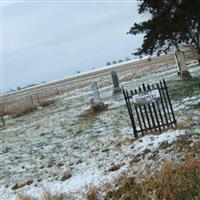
115 80
181 64
96 102
96 94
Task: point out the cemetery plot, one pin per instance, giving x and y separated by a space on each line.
56 146
152 108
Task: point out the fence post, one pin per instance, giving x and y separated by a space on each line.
170 104
130 112
2 114
3 121
165 100
38 99
32 99
132 117
57 91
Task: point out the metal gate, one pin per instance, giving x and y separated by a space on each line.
152 108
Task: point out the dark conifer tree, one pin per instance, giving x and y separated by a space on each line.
171 23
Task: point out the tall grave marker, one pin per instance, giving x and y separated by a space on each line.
181 64
96 102
115 80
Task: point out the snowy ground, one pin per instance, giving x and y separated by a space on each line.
63 149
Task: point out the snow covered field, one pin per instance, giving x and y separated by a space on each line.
63 148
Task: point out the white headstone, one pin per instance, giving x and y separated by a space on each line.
96 94
180 60
181 64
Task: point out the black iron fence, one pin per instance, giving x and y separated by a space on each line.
149 108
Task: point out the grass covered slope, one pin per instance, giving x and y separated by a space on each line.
62 151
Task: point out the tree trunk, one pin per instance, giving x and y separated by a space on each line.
197 44
198 54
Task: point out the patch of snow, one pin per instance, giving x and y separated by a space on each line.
152 142
6 193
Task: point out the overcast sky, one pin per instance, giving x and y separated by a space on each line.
44 41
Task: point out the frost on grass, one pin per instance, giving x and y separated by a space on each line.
57 150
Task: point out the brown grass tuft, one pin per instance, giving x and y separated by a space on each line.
20 109
47 102
26 197
92 194
178 181
46 196
173 182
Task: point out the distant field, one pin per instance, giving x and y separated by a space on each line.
125 72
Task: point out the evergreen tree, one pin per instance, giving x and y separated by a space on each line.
171 23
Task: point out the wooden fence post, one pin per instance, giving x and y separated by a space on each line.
2 114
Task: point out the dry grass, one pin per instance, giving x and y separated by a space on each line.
46 196
187 124
178 181
21 109
173 182
87 116
25 107
92 194
25 197
124 141
2 113
47 102
50 162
